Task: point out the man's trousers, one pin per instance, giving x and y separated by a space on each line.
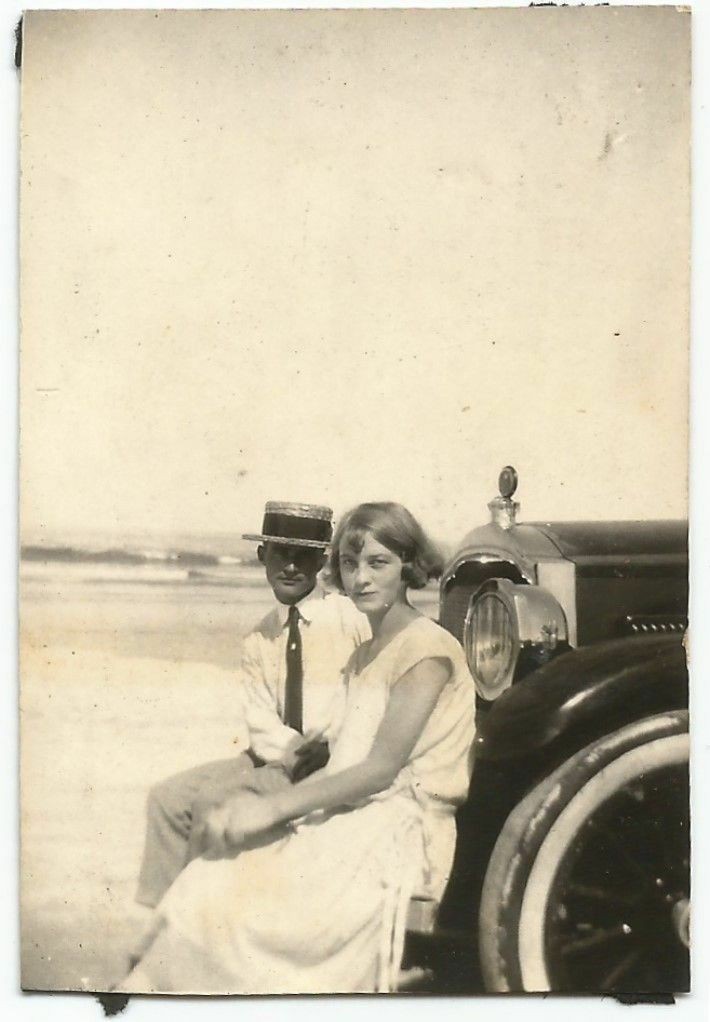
179 805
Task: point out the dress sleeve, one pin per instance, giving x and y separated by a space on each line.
428 641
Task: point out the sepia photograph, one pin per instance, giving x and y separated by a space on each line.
353 578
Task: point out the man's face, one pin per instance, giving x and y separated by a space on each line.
291 570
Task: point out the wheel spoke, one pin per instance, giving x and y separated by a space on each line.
620 848
607 895
608 982
593 940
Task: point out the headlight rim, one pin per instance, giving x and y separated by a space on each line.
529 608
498 589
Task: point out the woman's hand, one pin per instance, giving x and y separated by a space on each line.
228 827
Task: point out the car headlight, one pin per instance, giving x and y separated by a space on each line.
502 619
490 643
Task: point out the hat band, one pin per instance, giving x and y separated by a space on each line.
294 527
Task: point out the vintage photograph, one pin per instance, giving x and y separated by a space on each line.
353 501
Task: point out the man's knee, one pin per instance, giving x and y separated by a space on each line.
203 804
168 800
177 797
215 793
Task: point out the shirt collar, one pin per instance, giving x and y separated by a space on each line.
305 606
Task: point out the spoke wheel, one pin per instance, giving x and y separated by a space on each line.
588 886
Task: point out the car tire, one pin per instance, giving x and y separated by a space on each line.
587 888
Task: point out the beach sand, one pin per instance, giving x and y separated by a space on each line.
121 687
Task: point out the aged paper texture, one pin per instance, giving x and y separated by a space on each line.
317 256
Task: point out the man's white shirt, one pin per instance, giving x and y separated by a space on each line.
331 629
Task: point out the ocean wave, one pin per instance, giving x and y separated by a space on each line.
154 573
133 557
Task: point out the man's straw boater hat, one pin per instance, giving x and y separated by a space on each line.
295 525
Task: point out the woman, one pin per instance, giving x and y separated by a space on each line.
306 890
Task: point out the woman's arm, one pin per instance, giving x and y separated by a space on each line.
411 701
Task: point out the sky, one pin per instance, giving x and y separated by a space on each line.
343 256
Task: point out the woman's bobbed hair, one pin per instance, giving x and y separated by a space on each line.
396 528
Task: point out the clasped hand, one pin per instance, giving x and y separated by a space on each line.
306 754
228 827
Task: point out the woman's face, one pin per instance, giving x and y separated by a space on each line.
372 576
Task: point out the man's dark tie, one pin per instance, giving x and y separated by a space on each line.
293 702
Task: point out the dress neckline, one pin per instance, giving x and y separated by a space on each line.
392 643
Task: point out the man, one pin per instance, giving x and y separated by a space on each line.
292 693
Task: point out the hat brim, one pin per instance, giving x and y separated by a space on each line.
315 544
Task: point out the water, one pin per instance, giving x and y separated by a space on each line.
197 560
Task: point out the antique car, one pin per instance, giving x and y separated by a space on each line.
572 861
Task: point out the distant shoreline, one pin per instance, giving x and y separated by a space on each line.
129 556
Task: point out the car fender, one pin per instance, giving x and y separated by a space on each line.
587 691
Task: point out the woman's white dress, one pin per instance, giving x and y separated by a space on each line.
323 908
